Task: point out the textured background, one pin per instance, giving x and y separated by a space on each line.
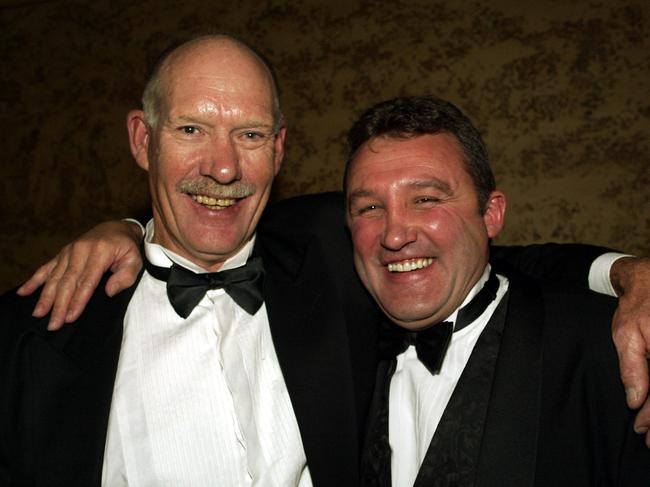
560 92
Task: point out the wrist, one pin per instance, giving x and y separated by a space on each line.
135 228
621 274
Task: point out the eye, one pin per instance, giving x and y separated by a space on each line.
365 210
427 200
252 139
189 129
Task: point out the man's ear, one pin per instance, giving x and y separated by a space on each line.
139 137
279 148
495 213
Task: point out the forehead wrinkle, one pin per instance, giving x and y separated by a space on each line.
230 83
206 113
219 96
217 77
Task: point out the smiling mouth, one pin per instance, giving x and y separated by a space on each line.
214 203
410 265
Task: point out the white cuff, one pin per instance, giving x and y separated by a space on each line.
599 280
133 220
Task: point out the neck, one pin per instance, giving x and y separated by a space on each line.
160 255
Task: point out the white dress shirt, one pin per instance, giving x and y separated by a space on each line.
199 401
418 399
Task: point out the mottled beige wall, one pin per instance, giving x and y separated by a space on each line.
560 91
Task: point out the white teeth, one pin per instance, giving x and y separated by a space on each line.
213 203
410 265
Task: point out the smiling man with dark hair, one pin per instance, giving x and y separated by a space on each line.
487 379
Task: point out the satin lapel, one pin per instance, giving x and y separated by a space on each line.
74 379
309 334
454 452
509 449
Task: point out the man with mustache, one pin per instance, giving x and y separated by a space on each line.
212 386
207 387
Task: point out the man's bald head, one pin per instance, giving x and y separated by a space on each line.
232 53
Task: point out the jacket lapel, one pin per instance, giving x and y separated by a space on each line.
307 315
73 379
511 431
454 451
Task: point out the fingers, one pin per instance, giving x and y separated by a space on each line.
63 284
82 293
634 374
642 421
631 333
67 279
632 353
88 262
37 279
125 272
632 344
50 290
70 279
79 280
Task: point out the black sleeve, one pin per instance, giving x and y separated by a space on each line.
550 262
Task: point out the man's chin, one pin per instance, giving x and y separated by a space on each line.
411 319
216 247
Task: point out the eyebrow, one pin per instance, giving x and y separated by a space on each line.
187 118
359 193
434 183
248 124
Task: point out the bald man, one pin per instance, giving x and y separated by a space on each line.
245 378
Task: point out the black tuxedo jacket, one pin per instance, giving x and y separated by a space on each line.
556 413
56 387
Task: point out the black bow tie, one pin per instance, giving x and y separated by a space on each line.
431 343
185 288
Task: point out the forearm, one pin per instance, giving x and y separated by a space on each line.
551 262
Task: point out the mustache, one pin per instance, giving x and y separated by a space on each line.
209 187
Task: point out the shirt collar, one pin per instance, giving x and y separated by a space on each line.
160 256
473 292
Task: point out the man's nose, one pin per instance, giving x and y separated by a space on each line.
399 230
222 163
